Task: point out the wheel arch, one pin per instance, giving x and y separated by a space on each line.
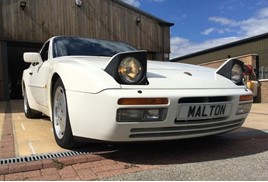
54 78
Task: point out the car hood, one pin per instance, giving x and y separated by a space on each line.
162 75
178 75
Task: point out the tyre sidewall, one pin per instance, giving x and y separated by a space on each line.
29 113
67 140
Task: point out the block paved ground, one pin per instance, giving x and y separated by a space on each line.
116 159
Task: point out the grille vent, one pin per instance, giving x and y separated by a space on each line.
204 99
41 157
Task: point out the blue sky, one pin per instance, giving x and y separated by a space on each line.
202 24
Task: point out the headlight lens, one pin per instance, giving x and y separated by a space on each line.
243 108
237 73
141 115
130 70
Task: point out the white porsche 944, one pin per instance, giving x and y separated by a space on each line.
109 91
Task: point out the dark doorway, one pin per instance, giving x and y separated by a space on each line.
16 65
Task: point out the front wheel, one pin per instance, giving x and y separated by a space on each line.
60 117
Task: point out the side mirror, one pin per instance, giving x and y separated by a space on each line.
31 57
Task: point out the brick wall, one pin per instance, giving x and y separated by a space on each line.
264 91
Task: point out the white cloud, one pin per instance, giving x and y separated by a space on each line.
221 20
135 3
249 27
208 31
217 30
255 25
263 13
181 46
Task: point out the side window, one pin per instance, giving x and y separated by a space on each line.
44 52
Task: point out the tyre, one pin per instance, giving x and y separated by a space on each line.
60 117
29 113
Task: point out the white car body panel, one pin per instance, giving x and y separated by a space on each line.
103 125
92 97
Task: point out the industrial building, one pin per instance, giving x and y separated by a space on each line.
26 24
253 51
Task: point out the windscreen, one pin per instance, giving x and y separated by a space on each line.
73 46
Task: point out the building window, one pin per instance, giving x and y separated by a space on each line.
263 72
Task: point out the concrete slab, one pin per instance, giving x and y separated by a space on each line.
32 136
2 116
258 117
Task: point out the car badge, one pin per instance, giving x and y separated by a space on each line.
187 73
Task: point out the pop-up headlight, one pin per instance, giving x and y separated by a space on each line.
129 68
233 70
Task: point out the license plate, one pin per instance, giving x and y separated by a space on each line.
204 111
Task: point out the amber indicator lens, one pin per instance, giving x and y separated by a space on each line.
143 101
246 97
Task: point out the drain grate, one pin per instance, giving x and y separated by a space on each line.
42 156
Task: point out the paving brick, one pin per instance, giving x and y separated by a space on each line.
7 147
87 165
67 172
95 164
79 159
92 158
35 178
6 141
8 133
147 167
47 163
15 177
49 171
105 174
34 165
132 170
73 178
4 169
2 177
102 169
51 177
7 152
30 174
6 155
119 172
86 174
66 160
16 167
107 162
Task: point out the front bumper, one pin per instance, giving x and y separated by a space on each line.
94 115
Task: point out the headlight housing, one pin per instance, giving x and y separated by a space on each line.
141 114
129 68
233 70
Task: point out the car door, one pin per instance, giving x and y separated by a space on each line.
39 76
